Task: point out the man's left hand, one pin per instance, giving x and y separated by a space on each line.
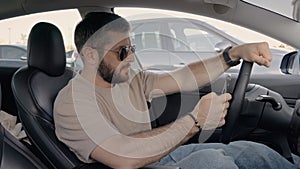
252 52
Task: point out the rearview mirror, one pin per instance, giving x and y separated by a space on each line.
290 63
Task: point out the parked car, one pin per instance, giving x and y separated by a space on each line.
176 42
16 52
34 93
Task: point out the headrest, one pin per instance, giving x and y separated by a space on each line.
46 50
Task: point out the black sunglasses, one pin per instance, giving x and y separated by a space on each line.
123 52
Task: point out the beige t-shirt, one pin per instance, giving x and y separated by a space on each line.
85 115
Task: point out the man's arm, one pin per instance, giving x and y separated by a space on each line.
148 147
200 73
144 148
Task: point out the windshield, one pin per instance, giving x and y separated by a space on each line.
283 7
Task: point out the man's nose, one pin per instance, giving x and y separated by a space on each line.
130 57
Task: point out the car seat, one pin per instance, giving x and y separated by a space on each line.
35 88
14 154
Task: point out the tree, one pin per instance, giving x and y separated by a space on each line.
24 38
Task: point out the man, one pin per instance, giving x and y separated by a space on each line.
102 113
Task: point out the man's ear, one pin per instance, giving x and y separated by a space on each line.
90 55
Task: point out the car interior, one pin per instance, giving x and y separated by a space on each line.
270 115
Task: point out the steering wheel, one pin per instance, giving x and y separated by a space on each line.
237 101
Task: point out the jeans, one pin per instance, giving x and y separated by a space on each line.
239 154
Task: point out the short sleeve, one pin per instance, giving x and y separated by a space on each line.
148 79
78 121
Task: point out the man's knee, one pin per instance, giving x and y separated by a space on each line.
212 158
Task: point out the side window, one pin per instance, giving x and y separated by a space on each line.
8 52
146 36
14 32
187 38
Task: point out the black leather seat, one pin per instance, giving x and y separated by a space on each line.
14 154
35 87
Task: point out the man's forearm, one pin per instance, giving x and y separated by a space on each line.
150 146
208 70
200 73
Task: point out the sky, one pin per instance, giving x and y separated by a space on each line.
16 30
12 29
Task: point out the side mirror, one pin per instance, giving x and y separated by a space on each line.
290 63
220 46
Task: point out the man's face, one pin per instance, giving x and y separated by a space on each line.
112 68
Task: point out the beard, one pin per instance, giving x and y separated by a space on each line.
109 74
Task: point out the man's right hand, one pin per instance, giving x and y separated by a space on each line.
211 110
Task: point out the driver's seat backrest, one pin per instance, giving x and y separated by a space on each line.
35 87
